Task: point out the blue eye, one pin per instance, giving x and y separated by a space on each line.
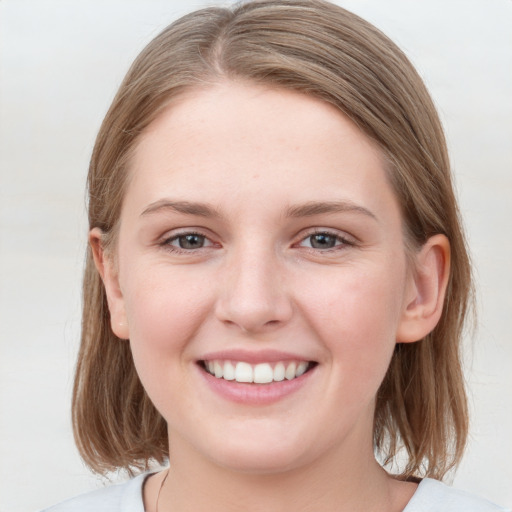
191 241
188 241
324 240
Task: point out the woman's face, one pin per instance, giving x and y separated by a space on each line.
260 239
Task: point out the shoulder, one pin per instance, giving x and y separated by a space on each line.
434 496
126 497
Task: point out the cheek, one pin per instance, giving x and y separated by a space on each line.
164 312
162 303
356 314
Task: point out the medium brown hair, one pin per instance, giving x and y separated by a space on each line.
324 51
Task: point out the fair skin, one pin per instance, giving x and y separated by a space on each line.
259 227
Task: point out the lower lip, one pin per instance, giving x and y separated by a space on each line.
255 394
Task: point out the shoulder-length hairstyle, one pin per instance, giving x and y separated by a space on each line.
324 51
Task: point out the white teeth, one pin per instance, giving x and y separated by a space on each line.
218 370
301 368
229 371
290 371
243 372
262 373
279 371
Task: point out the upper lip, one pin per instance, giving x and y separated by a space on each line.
253 357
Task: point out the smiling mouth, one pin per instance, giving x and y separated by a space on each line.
261 373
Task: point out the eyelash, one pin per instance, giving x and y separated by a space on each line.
340 241
167 243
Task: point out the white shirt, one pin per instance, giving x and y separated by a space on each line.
431 496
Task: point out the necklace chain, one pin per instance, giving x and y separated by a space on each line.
160 490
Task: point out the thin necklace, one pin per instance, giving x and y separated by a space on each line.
160 490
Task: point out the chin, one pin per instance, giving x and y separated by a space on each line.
262 462
257 454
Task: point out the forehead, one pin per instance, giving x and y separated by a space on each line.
235 141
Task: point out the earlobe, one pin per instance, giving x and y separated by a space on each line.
108 271
426 290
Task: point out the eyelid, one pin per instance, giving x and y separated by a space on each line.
344 238
165 240
208 242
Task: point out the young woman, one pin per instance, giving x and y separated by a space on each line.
277 278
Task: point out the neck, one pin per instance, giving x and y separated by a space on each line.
356 484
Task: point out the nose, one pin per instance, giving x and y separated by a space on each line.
253 295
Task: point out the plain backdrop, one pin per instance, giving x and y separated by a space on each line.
60 65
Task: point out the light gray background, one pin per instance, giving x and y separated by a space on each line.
60 64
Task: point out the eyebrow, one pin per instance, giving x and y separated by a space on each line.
186 207
308 209
316 208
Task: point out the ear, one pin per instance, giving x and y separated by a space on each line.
108 271
425 290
